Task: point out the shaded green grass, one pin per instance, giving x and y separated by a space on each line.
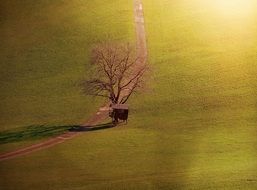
24 136
44 53
41 131
32 132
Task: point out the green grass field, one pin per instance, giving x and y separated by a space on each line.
44 53
45 50
194 129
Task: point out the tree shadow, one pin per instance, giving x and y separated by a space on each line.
35 132
32 132
92 128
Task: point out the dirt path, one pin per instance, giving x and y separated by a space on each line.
95 119
140 29
102 113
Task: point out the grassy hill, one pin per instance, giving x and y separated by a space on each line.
195 129
45 47
44 52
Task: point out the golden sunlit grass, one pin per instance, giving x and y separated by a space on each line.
231 8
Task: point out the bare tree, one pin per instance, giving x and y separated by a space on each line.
118 73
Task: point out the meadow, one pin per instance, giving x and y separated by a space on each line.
45 53
195 128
